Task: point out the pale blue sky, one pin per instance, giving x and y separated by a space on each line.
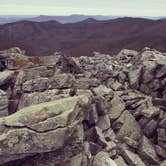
94 7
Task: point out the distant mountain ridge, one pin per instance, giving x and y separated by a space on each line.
62 19
71 18
84 37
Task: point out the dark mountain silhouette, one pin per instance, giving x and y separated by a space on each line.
82 38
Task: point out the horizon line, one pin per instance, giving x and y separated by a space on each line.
81 15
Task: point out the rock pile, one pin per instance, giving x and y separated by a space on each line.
86 111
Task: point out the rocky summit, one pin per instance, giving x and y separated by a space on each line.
102 110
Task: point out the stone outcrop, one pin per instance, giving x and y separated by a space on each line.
83 111
42 128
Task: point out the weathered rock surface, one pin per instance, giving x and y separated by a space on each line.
117 107
83 111
41 128
28 99
147 151
3 104
132 158
5 76
102 159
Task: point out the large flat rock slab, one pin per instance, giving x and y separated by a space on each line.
41 128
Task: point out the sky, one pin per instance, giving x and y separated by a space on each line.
89 7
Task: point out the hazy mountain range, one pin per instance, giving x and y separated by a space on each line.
84 37
62 19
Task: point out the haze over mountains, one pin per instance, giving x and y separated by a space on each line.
84 37
61 19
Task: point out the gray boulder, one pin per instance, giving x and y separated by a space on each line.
150 112
147 151
104 122
102 159
132 158
117 107
38 84
62 81
134 78
42 128
127 126
120 161
28 99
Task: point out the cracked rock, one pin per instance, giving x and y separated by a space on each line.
41 128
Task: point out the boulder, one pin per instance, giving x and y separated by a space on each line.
62 81
69 65
120 161
50 60
150 112
86 83
78 160
37 72
104 122
13 50
38 84
126 53
132 158
134 78
42 128
117 107
102 159
149 68
127 126
131 143
147 151
28 99
102 90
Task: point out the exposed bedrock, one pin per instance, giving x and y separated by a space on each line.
85 111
